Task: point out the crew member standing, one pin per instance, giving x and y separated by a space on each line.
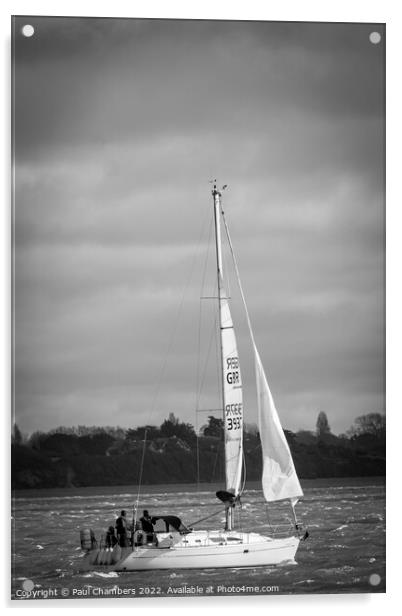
147 526
122 528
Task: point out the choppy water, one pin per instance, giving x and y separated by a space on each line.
345 552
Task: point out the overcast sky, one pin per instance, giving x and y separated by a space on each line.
119 126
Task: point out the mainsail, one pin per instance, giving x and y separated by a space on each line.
279 478
232 400
231 377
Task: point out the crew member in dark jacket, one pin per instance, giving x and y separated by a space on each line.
147 526
122 528
110 538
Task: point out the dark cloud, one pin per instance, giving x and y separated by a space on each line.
176 76
119 126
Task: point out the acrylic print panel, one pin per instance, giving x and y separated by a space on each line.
119 126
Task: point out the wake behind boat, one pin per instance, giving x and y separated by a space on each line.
176 546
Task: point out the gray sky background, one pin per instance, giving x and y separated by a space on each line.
119 125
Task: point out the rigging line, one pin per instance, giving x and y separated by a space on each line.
245 308
197 387
238 280
174 330
211 338
244 472
140 476
162 374
206 517
214 468
282 502
238 512
198 392
200 385
197 457
227 275
267 512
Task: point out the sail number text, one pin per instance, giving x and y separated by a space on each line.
233 413
233 423
232 367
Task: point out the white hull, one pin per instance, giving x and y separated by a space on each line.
203 549
251 550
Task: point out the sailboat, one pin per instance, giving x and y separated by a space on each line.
179 547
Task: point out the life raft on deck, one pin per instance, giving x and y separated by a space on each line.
87 538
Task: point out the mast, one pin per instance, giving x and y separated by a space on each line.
232 401
219 270
218 243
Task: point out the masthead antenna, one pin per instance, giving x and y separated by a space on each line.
215 190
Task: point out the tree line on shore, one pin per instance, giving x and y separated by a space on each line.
173 453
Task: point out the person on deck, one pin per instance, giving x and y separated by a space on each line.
123 528
147 526
111 539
